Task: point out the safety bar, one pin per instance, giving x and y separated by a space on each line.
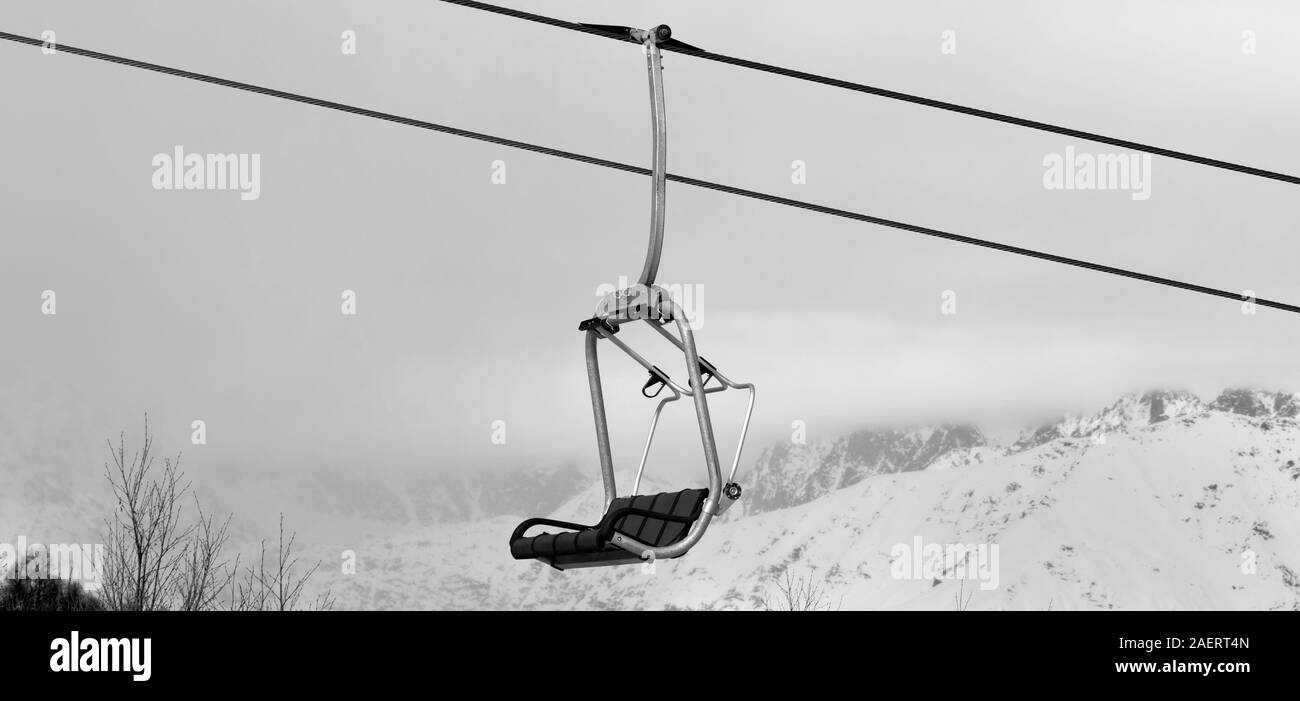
740 445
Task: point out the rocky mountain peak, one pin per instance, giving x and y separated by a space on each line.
1132 411
787 474
1258 403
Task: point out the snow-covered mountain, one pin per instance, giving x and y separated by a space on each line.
35 501
1159 501
787 474
1130 412
1252 402
359 500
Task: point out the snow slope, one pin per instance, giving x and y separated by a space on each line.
1187 506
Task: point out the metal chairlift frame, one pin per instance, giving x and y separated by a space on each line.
651 304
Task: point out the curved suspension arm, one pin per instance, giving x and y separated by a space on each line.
659 140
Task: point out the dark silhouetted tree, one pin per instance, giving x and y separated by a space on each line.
46 595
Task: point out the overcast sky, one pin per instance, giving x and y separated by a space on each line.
198 305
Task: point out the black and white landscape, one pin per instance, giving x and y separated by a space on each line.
370 330
1158 501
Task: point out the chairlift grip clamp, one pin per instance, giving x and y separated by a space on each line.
598 324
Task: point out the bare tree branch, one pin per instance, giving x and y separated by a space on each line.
802 594
157 559
279 586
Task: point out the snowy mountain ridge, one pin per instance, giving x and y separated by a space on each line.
789 474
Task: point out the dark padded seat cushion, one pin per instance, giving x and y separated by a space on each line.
579 539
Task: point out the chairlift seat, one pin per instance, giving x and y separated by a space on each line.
657 520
